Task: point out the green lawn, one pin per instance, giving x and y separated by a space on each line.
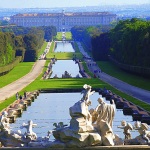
76 47
132 79
20 70
68 35
52 47
59 36
64 55
38 83
42 48
17 72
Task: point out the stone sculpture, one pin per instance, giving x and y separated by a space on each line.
29 127
105 115
87 128
86 93
66 75
82 132
9 138
143 131
59 125
4 122
127 127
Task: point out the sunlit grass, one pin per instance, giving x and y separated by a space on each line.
132 79
51 48
39 84
59 36
64 55
17 72
42 48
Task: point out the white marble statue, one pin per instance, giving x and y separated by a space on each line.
127 127
59 125
143 130
87 128
4 122
104 122
29 126
105 112
86 93
82 132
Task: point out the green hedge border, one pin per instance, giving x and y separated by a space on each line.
7 68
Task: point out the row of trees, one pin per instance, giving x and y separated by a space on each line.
96 39
7 52
25 42
49 31
128 42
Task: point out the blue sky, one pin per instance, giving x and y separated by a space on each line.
64 3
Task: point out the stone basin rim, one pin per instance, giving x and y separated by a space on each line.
121 147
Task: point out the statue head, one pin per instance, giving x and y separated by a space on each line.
88 103
61 124
100 100
129 126
85 86
123 123
30 122
137 124
144 126
5 113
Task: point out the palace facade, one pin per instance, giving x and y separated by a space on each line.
63 21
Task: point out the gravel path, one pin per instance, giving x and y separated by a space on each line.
19 84
138 93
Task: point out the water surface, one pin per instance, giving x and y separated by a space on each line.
65 65
63 46
49 108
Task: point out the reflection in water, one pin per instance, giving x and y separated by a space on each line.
49 108
64 47
65 65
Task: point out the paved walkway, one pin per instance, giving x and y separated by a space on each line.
136 92
18 85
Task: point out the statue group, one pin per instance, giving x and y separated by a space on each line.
92 127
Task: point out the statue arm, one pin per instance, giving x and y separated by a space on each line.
96 109
92 92
34 125
83 91
121 127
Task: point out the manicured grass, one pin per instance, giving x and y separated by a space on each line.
52 47
68 35
38 84
64 55
59 36
42 48
132 79
78 83
86 49
19 71
87 70
76 47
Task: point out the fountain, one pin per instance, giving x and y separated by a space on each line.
87 128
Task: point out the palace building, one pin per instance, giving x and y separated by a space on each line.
63 21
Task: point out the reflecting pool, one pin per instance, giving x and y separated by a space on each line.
61 66
49 108
63 46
